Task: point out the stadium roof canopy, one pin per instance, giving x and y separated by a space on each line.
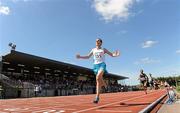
15 61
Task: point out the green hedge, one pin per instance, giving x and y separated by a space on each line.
178 89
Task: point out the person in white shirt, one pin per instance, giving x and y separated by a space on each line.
99 67
151 81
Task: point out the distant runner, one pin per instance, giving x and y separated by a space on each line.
151 81
143 80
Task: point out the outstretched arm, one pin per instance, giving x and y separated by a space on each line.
84 57
113 54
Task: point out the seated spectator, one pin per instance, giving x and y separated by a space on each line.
171 95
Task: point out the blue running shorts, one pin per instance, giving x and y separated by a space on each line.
97 67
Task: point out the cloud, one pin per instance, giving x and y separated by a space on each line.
21 0
27 0
146 60
148 43
137 13
4 10
170 70
178 51
122 32
114 9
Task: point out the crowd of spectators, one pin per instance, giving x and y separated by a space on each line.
41 85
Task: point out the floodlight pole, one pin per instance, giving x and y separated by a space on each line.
13 46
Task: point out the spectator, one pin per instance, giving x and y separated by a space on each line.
171 95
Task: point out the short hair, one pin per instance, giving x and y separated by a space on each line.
99 39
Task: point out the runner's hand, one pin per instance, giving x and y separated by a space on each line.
116 53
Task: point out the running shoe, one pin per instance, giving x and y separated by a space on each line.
96 100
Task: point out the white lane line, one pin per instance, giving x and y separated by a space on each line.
84 110
52 110
39 108
49 111
32 109
40 111
15 109
61 111
114 111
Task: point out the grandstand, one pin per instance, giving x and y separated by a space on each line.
26 75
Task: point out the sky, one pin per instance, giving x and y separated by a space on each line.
146 32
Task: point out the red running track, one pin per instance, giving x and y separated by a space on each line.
124 102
